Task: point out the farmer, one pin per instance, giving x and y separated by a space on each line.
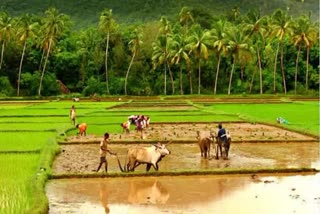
103 152
125 126
82 129
140 126
133 118
73 115
222 134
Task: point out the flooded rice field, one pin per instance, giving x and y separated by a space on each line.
249 194
81 158
196 194
257 146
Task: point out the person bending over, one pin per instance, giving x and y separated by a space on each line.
82 129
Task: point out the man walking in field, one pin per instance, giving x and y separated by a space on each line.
73 115
103 152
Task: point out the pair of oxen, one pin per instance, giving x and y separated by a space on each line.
221 146
152 155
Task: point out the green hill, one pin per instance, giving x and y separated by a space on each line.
86 12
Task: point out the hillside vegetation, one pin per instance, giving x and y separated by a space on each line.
86 12
131 47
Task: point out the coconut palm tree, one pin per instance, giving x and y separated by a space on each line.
255 29
179 53
281 26
305 33
54 25
219 46
27 29
236 47
160 53
165 29
106 25
198 43
185 19
134 46
5 32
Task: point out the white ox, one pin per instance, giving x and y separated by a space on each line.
144 155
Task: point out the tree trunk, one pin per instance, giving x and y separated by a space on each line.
20 67
126 80
42 56
199 76
275 69
165 79
260 71
171 78
106 63
307 67
230 80
181 88
2 52
44 68
296 73
190 82
251 84
217 73
282 71
242 72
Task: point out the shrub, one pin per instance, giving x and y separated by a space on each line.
5 87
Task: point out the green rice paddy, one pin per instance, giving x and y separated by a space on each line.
17 171
29 132
24 141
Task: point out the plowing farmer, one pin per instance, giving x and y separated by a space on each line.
82 129
222 133
103 152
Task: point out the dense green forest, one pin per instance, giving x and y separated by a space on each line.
150 47
86 12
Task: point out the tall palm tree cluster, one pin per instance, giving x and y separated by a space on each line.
237 53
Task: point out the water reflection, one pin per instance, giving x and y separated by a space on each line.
148 192
104 192
187 194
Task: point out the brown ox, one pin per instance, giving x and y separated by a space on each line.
223 147
204 142
144 155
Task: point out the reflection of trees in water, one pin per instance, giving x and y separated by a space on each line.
147 192
104 196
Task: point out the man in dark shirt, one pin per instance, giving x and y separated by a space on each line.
222 133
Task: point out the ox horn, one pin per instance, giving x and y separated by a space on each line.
168 142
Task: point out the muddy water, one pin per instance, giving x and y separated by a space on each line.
85 158
257 155
187 194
